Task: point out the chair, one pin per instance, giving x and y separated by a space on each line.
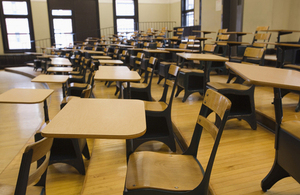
192 80
116 54
81 77
163 67
163 173
179 32
35 152
137 61
241 96
158 115
124 57
142 90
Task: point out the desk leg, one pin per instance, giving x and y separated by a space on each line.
46 111
129 147
64 89
128 90
206 76
277 172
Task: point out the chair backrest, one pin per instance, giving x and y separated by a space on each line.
209 48
116 52
182 46
220 31
219 105
38 151
222 38
159 44
261 28
146 44
253 55
170 82
150 70
86 93
261 37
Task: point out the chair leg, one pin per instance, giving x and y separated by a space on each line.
298 106
160 78
179 89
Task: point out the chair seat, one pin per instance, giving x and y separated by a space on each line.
157 171
68 98
10 190
155 106
235 86
75 76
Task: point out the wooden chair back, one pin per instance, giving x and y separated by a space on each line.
159 44
150 70
170 82
182 46
209 48
223 38
261 28
151 172
253 55
146 44
261 37
35 152
86 93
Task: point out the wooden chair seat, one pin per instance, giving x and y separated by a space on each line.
78 85
10 190
234 86
158 170
186 70
155 106
136 85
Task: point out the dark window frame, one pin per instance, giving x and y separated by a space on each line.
135 17
184 12
51 17
4 30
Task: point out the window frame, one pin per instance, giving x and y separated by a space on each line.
135 17
4 30
184 13
51 18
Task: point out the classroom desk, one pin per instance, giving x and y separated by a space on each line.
53 79
60 62
117 73
201 57
98 119
111 62
283 47
287 143
27 96
231 44
238 34
47 56
204 32
92 52
281 32
60 69
101 57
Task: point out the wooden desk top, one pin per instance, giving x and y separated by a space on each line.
92 51
202 57
47 56
267 76
135 49
204 31
282 30
233 42
155 51
116 73
98 118
177 50
237 33
110 62
101 57
50 79
282 44
25 96
61 61
60 69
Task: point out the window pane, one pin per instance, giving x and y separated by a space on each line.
125 25
124 8
16 25
63 32
189 4
190 19
15 8
60 12
18 41
62 25
63 40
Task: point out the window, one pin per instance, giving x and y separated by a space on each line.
125 16
187 12
62 28
17 28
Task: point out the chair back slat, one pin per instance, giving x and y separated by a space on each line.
208 126
252 52
209 47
